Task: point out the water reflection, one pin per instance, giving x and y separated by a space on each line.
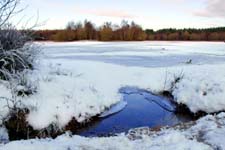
143 109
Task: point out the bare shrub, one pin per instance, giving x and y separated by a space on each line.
176 80
17 56
11 38
171 84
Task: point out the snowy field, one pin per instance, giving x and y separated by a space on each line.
82 79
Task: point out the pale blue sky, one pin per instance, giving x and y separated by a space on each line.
153 14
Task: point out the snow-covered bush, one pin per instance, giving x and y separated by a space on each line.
17 57
11 38
15 54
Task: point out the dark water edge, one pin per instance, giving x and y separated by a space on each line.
143 109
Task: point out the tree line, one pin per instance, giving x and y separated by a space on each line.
127 32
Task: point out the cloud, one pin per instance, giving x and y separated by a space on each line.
214 8
107 13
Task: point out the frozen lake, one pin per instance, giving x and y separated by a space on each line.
144 54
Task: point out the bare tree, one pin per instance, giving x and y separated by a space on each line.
7 9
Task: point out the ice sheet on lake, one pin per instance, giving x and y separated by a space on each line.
141 54
159 100
114 109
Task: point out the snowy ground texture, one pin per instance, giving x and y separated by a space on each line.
207 134
82 79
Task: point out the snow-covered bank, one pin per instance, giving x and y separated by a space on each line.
92 87
206 134
88 90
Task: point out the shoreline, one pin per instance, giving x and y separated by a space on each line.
43 41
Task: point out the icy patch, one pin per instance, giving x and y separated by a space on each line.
114 109
3 135
159 100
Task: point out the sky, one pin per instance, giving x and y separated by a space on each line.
153 14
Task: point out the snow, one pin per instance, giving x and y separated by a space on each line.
201 136
170 142
88 90
141 54
4 93
83 79
3 135
202 88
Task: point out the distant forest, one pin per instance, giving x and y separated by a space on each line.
127 32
